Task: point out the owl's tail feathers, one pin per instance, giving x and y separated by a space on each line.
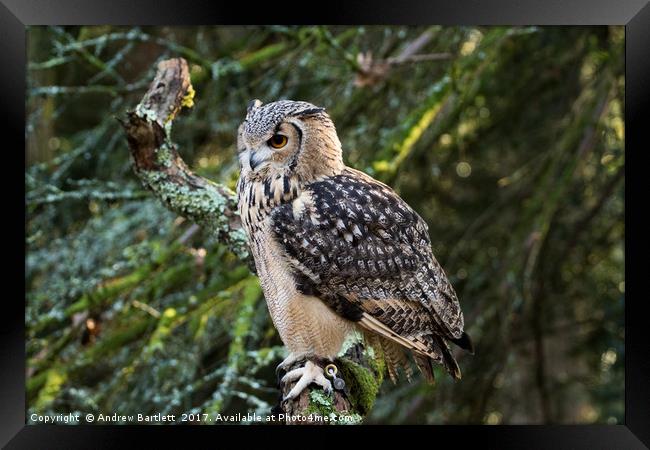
395 358
393 354
448 359
439 353
424 363
464 342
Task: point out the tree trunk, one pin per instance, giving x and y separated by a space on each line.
158 165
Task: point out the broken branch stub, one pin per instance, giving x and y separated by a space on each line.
157 163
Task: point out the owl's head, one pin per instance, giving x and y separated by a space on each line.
288 137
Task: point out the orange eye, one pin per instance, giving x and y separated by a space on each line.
278 141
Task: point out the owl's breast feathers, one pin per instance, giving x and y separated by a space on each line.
354 243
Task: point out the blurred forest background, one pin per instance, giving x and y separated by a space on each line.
508 141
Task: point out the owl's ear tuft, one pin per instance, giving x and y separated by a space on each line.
252 105
310 112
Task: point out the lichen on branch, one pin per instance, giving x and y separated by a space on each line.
157 163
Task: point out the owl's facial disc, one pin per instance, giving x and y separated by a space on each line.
278 149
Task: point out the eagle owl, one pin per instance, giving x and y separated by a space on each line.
338 251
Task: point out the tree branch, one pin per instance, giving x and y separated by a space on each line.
214 207
157 163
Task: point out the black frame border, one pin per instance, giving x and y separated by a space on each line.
15 15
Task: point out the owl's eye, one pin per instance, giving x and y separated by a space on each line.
278 141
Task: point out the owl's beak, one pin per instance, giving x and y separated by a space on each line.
255 159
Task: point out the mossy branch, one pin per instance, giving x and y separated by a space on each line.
157 163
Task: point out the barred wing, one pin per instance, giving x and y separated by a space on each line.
354 243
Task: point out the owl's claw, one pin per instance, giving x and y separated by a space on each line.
310 373
284 365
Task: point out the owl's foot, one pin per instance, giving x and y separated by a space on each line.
310 373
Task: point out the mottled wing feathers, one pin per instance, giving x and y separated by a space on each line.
359 247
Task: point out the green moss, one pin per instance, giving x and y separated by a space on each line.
361 383
377 363
362 386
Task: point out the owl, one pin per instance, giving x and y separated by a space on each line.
338 252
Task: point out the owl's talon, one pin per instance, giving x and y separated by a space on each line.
278 375
279 369
287 362
310 373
